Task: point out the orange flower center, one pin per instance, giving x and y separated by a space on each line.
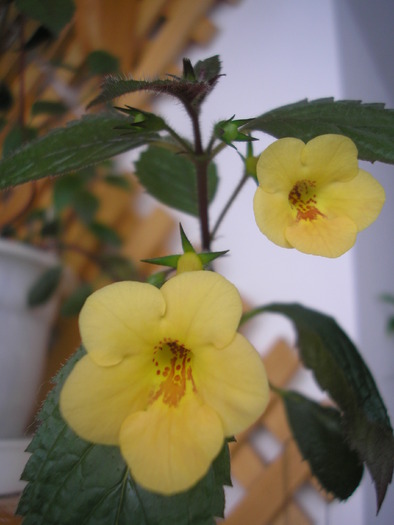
303 199
173 372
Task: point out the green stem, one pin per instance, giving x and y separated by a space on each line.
229 203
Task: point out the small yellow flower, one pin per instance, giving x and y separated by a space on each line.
166 376
313 197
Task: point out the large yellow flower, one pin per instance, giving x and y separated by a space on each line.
313 197
166 376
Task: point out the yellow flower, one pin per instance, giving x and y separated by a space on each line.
313 197
166 376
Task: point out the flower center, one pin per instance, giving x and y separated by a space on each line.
302 197
173 372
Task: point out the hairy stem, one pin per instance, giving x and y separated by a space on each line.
201 162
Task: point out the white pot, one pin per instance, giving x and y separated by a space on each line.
24 335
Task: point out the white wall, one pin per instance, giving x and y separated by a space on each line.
366 40
277 52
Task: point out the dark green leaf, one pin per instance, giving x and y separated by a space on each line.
208 69
74 302
172 179
339 369
105 234
101 62
43 289
48 107
82 143
71 481
370 126
53 14
322 441
16 137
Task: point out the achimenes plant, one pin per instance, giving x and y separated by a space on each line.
136 427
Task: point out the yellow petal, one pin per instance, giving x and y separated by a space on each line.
202 307
95 400
121 319
325 237
360 199
330 158
233 382
279 166
273 215
169 449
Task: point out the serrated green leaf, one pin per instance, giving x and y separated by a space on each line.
340 370
81 143
323 443
172 179
53 14
74 302
370 126
48 107
72 481
46 285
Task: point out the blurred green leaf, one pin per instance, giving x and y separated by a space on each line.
322 441
81 143
370 126
53 14
120 181
72 481
100 62
105 234
340 370
118 267
172 179
44 288
48 107
74 302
